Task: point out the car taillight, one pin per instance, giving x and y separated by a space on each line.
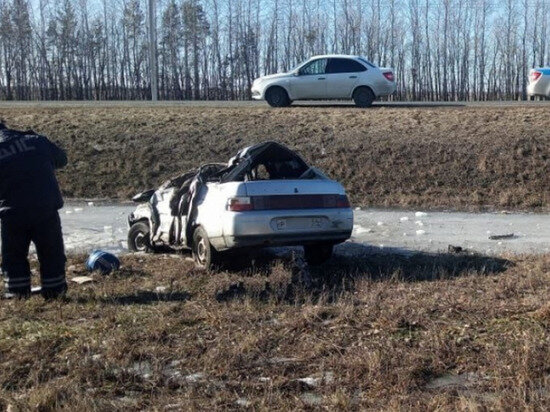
286 202
535 76
239 204
342 202
388 76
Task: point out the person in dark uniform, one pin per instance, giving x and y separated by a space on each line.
29 204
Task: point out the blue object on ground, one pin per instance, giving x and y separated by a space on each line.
102 261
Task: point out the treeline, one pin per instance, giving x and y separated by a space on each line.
213 49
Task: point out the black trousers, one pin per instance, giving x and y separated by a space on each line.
17 234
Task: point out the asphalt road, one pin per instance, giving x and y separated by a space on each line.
262 104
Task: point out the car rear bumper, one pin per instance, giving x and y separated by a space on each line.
285 239
539 88
285 227
386 89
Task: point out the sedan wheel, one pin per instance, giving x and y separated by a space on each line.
277 97
138 237
363 97
204 254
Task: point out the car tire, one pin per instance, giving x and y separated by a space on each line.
317 254
363 97
204 254
277 97
138 238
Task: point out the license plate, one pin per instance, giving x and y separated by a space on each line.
298 223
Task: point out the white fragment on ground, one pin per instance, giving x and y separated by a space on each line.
420 214
90 204
264 379
142 369
419 223
82 279
78 209
107 228
380 223
404 218
68 212
311 399
357 229
283 360
194 377
174 407
357 208
97 357
160 289
449 380
310 381
420 232
171 373
243 402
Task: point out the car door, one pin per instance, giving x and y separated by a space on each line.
310 81
342 76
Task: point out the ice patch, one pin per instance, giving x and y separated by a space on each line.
380 223
90 204
420 232
404 218
420 214
358 229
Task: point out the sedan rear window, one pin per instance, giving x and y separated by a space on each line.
367 62
345 66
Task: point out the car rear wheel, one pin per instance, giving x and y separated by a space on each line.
363 97
138 238
277 97
204 254
318 253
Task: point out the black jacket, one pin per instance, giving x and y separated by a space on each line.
27 180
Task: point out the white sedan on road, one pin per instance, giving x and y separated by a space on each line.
539 83
327 77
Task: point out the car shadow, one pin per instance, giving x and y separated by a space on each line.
378 105
353 262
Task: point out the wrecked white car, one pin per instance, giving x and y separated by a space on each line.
266 195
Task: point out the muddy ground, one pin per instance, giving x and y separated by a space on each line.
465 158
426 332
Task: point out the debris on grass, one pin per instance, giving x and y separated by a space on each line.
82 279
500 237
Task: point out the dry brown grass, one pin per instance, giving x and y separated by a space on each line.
377 331
460 158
